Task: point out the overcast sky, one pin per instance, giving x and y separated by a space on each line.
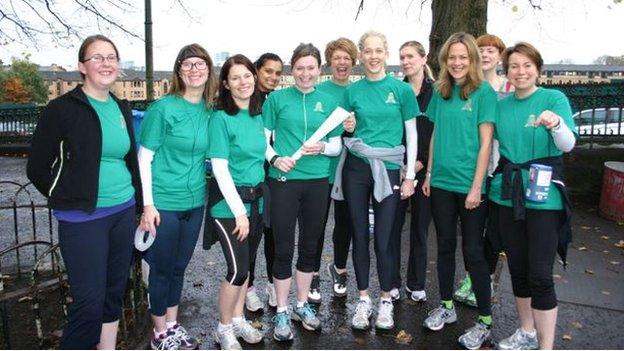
577 30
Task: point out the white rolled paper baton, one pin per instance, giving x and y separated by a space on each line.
140 241
332 121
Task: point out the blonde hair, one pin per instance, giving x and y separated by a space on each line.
420 49
343 44
445 82
372 33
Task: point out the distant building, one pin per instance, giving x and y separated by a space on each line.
220 58
131 83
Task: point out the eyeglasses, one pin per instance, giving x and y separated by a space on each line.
99 59
199 65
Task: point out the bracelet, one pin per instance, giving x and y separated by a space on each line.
273 159
428 174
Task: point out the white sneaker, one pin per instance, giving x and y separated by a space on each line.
418 295
395 294
226 339
270 290
252 301
385 315
363 312
244 329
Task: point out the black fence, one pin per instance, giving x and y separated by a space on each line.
598 113
34 292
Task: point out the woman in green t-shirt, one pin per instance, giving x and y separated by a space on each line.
173 149
237 148
299 188
462 109
533 126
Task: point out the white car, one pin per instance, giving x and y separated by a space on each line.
600 121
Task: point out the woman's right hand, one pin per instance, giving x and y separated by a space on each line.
284 163
150 219
426 188
242 227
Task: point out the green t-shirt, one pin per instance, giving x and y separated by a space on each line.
521 142
114 181
381 109
456 136
240 140
337 91
294 117
177 131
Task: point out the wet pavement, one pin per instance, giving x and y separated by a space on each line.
590 294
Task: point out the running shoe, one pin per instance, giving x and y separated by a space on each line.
252 301
307 316
226 338
385 316
440 316
339 280
314 295
243 329
187 342
363 313
475 336
282 330
520 340
166 341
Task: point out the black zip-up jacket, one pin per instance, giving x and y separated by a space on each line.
65 153
424 126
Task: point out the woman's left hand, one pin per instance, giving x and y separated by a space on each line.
313 149
407 188
473 199
548 119
349 123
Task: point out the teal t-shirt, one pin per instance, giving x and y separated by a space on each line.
456 136
337 91
114 181
521 142
381 109
177 131
294 116
240 140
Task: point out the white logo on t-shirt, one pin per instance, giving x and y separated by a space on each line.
318 107
530 121
390 99
468 105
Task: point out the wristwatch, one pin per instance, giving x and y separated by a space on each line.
273 159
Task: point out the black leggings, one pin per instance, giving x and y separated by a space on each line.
237 253
269 255
531 246
446 207
419 229
358 187
341 235
306 199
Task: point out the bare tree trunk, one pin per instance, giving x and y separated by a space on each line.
451 16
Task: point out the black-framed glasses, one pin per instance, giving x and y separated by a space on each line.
199 65
99 59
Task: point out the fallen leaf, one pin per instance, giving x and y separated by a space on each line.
604 292
403 338
25 298
584 227
566 337
589 271
620 244
556 276
615 263
604 237
577 325
257 324
582 248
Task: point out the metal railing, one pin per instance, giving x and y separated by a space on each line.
32 271
17 124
